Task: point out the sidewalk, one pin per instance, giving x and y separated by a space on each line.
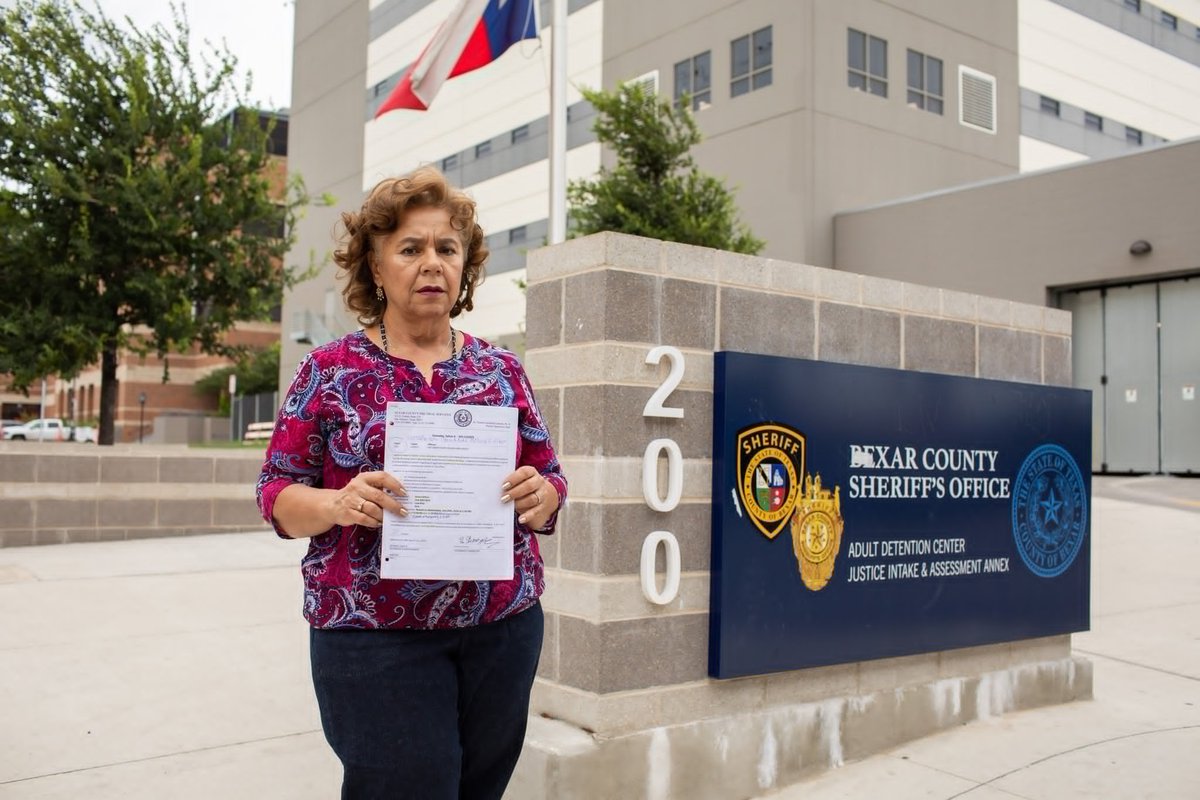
159 668
178 668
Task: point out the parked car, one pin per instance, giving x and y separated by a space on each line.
50 429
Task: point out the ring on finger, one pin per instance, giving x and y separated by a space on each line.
537 497
362 501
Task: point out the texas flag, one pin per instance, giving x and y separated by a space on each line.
477 33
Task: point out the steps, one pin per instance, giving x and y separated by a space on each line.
57 492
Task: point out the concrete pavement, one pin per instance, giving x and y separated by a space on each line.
178 668
158 668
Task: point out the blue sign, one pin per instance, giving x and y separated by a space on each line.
861 512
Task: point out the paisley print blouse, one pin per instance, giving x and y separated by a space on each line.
331 427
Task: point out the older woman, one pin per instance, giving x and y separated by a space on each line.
423 685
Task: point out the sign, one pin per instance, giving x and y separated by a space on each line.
861 513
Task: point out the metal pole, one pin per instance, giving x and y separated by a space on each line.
558 123
233 409
42 413
141 416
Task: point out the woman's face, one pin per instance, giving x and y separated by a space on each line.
420 265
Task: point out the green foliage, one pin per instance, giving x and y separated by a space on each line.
257 372
655 190
134 211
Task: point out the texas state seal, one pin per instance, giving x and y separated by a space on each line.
1049 511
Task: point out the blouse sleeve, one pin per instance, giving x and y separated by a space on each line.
297 450
536 448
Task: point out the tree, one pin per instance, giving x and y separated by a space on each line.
136 213
257 372
655 190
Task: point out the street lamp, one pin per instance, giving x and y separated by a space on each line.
141 416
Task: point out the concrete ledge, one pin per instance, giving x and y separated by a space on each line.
55 493
727 754
614 713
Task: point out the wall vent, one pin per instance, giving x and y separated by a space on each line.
648 81
976 99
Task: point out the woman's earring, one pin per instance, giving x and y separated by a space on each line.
379 294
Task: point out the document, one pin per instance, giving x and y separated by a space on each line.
452 460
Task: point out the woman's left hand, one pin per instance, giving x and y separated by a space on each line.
534 497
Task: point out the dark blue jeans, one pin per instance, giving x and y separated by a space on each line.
434 715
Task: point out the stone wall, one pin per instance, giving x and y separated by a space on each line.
55 492
623 705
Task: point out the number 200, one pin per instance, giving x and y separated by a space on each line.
650 485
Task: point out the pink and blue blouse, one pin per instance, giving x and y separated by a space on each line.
332 426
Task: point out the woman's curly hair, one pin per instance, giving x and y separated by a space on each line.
382 214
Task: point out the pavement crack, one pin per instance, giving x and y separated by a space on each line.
1138 664
158 757
1068 751
1132 611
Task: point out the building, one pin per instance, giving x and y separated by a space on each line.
811 109
1112 240
1106 77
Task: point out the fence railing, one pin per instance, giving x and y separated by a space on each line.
250 408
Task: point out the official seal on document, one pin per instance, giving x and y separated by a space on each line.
1049 510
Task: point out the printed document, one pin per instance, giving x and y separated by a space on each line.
452 460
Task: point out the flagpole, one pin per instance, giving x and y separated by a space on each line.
558 122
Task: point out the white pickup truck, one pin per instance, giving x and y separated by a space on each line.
51 429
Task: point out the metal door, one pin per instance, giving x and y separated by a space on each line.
1131 396
1087 359
1179 312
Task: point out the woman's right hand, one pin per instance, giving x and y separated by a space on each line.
363 500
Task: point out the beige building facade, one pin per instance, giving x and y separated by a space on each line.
807 144
847 127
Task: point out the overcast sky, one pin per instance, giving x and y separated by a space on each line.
257 32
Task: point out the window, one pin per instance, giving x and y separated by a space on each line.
750 60
1049 105
866 58
1133 135
516 235
925 82
1093 122
693 77
520 134
483 148
1134 5
1170 20
450 162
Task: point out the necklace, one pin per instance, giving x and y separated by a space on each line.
386 351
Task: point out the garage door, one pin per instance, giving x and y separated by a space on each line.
1137 348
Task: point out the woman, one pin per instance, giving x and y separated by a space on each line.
423 685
